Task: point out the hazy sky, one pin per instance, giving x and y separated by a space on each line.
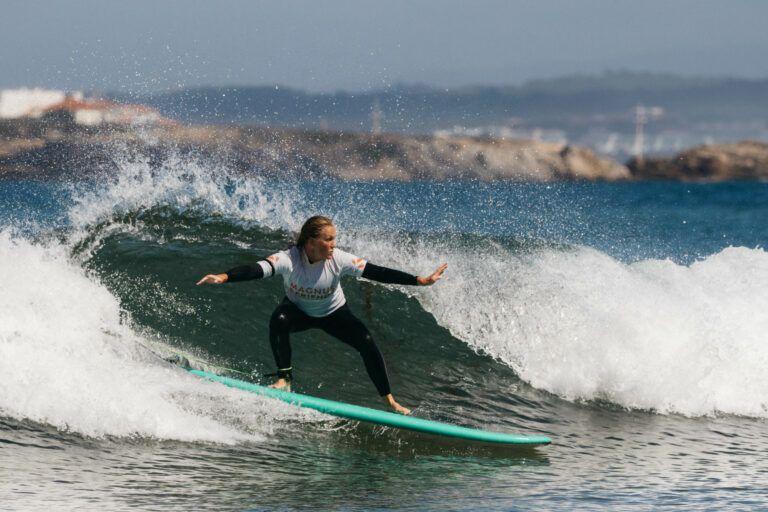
145 45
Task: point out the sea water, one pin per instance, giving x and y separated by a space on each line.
625 321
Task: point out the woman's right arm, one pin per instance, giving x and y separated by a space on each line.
241 273
213 279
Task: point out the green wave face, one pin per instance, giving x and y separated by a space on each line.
150 260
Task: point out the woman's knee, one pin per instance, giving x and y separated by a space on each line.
365 343
279 321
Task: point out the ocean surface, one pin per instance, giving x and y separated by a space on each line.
628 322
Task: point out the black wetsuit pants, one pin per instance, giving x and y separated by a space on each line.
340 324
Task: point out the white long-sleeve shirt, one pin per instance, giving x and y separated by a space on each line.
314 287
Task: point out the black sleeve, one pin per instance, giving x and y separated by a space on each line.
244 273
387 275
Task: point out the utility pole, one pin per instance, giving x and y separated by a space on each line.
376 116
642 116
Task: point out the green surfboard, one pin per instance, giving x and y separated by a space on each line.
355 412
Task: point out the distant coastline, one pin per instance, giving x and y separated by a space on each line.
36 149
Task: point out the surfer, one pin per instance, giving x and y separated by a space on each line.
311 270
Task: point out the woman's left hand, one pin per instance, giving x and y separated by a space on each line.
434 277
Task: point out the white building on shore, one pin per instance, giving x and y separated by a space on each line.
97 112
26 102
74 107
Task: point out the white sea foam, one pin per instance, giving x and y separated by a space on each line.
66 360
650 335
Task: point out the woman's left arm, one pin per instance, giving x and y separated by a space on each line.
391 276
433 277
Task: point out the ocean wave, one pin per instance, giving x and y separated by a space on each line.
571 320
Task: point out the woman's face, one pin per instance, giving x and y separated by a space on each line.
321 248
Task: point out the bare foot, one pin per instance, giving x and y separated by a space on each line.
396 406
282 385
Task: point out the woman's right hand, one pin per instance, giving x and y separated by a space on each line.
214 279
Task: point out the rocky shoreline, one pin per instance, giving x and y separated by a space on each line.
742 161
33 150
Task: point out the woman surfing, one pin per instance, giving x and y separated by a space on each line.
312 270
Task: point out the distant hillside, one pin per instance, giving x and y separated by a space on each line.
573 104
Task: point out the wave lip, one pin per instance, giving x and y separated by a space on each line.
182 184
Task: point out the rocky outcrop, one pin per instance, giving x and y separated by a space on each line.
746 160
307 154
361 156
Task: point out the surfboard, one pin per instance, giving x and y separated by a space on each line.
375 416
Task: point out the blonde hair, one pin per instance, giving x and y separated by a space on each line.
312 228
